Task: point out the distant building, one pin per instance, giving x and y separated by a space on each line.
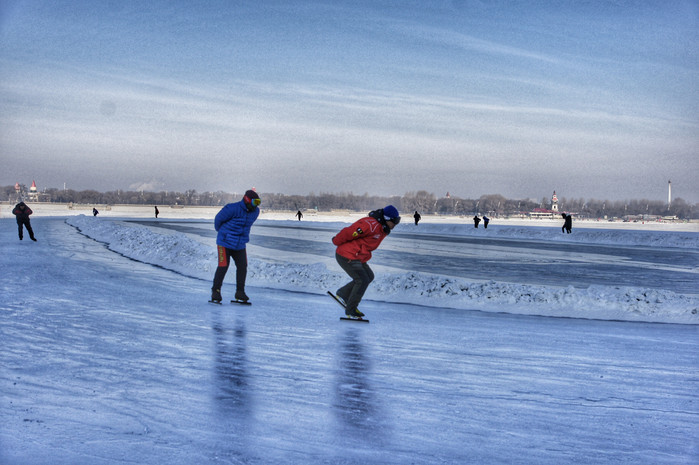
32 195
546 213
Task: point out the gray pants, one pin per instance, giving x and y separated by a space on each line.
361 275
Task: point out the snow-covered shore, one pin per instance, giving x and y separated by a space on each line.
166 212
196 257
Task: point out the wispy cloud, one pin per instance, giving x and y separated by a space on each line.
348 87
458 40
153 110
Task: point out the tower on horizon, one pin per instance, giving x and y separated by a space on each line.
554 202
669 193
33 193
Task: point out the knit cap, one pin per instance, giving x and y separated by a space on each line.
390 213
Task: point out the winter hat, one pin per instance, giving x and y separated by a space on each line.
390 213
249 195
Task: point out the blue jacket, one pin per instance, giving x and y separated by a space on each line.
233 224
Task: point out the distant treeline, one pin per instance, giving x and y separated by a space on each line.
493 205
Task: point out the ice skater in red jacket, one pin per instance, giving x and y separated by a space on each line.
354 246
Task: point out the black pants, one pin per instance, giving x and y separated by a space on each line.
361 275
27 224
240 258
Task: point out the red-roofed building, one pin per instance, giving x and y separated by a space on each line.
547 213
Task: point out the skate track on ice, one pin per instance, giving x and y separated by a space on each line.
110 361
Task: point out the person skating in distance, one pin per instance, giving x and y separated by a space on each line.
354 246
567 223
417 217
22 212
233 224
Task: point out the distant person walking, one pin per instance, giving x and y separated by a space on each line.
22 212
567 223
299 215
157 212
476 220
486 220
233 224
354 246
95 212
417 217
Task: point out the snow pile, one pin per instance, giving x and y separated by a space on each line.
182 254
597 302
176 251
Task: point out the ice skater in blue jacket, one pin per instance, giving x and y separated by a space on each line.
233 224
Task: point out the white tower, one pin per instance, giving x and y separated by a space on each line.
554 202
669 193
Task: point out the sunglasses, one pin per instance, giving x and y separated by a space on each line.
395 220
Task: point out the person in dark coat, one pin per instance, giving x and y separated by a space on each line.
157 212
95 212
233 224
476 220
486 220
567 223
22 212
299 215
417 217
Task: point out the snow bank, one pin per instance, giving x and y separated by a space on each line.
182 254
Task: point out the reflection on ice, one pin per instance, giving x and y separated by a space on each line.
356 403
233 401
231 384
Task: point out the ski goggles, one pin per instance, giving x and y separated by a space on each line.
395 220
255 202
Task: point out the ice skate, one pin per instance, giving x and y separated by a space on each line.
241 298
216 296
349 314
355 313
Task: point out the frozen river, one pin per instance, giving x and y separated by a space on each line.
479 258
110 361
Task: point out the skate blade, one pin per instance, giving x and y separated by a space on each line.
347 318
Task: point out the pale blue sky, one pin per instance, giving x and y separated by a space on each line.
595 99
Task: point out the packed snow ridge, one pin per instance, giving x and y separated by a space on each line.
180 253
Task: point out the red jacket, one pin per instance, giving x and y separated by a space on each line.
356 242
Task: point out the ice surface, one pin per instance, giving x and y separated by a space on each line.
114 360
193 254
